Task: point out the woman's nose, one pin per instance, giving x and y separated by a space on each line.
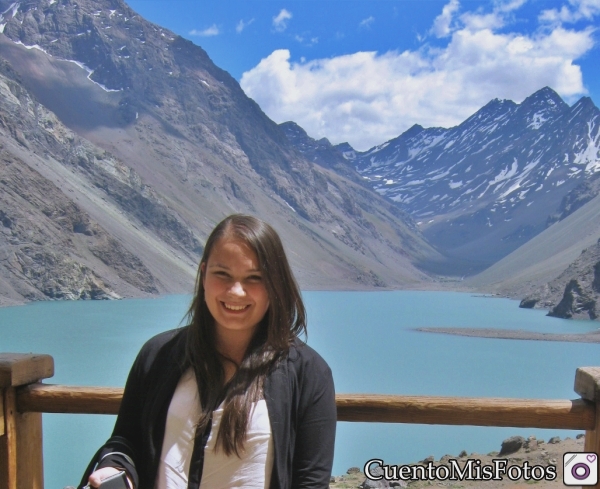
237 289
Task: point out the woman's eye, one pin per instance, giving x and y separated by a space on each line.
255 278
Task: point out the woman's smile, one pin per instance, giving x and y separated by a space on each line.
233 307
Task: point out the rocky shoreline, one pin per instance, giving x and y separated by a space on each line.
509 334
515 450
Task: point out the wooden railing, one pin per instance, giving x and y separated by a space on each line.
23 398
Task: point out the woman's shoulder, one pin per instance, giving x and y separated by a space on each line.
304 357
166 344
163 338
305 373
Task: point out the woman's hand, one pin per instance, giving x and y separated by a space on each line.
99 475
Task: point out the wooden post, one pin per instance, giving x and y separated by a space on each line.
21 459
587 385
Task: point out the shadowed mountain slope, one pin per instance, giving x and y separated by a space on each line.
543 258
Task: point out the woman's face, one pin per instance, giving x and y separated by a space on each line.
234 289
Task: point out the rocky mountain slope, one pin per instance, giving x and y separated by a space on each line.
575 293
321 152
133 144
50 246
487 186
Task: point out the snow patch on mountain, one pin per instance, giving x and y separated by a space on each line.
89 71
537 120
506 173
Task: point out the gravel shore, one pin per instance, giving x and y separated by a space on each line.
509 334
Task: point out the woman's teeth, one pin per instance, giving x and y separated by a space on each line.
234 308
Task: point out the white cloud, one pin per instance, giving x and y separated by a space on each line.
477 22
441 24
578 10
280 21
509 5
448 21
367 22
241 25
367 98
213 30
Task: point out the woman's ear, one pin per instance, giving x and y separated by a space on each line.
203 271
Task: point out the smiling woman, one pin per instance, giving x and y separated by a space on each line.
235 399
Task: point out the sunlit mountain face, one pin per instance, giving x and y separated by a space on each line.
142 145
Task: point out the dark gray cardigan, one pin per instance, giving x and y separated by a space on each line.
300 400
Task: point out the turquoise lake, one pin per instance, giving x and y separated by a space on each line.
367 338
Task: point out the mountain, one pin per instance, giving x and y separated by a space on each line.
480 190
321 152
132 142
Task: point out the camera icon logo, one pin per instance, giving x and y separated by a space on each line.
580 469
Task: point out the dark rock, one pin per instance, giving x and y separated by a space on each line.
531 443
528 303
377 484
511 445
60 277
596 282
353 470
369 484
575 293
554 440
580 436
575 302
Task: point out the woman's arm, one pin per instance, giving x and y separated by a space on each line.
315 431
119 452
137 437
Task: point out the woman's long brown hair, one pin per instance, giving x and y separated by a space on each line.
284 321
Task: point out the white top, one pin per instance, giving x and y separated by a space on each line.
251 470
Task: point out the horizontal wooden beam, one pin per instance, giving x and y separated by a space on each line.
48 398
471 411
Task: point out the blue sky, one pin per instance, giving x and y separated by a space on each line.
364 71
